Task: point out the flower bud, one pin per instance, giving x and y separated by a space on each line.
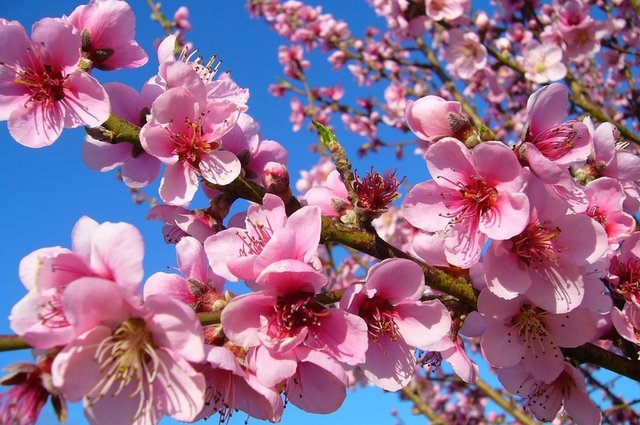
276 180
428 117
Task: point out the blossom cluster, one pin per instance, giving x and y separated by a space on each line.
517 250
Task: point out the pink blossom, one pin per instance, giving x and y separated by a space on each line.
331 196
108 29
41 89
464 54
285 315
180 222
130 363
545 399
31 388
200 288
253 152
397 321
606 199
452 350
610 159
519 331
313 380
138 168
627 322
548 261
110 251
625 269
231 386
429 117
469 197
543 62
185 134
291 57
448 10
316 176
181 18
268 236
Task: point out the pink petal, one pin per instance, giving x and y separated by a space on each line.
125 101
85 100
502 346
543 358
422 323
582 409
507 177
220 248
343 335
505 274
306 224
192 260
450 162
290 276
178 185
174 105
82 236
272 369
168 285
423 207
396 280
547 107
104 156
175 327
220 167
35 126
390 364
156 140
140 171
507 218
571 329
557 289
242 317
117 253
60 42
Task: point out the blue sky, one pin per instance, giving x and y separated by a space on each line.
47 190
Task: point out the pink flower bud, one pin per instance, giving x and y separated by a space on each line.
428 117
276 179
482 22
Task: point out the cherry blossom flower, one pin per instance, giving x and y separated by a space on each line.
130 363
200 288
548 261
464 54
285 315
138 168
446 10
469 197
232 387
543 62
110 251
545 399
108 29
41 89
397 321
185 134
268 236
518 331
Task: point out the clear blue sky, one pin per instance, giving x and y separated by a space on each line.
47 190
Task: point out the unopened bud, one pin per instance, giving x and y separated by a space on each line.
276 180
460 126
482 22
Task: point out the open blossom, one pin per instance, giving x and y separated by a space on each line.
200 288
108 29
545 399
232 386
519 331
185 133
129 362
137 167
608 158
41 89
285 315
267 235
624 270
606 198
110 251
543 62
464 54
548 261
446 9
397 321
469 198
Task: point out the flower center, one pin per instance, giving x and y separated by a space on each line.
255 237
376 192
597 214
45 85
629 278
295 312
556 142
129 357
51 313
474 200
190 144
379 315
536 244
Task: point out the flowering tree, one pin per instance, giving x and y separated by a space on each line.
519 254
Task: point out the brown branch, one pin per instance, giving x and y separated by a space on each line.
411 392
